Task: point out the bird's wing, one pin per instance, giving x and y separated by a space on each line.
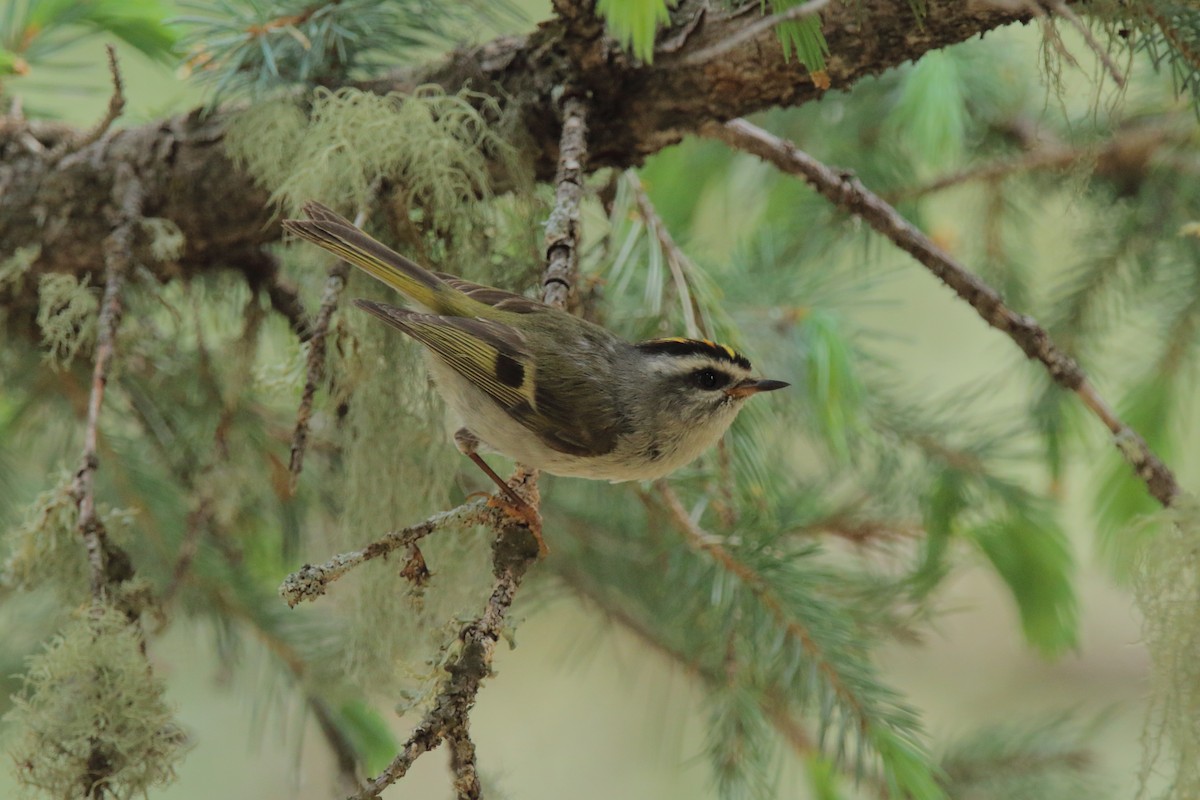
494 357
496 298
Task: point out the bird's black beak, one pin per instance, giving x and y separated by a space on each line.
751 386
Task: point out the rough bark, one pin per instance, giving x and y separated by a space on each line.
635 110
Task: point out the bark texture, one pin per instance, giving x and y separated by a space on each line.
62 201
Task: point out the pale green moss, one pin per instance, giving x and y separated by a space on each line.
166 239
435 148
47 550
400 467
67 314
91 710
15 269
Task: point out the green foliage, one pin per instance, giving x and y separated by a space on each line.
1048 760
766 622
46 550
634 23
1120 497
1031 554
1168 31
32 31
67 314
240 46
802 37
370 733
835 388
91 712
434 147
1167 588
929 119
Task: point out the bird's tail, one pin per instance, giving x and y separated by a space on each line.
338 235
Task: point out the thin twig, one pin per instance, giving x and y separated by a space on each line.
116 104
847 192
751 32
335 283
118 255
677 260
312 581
513 552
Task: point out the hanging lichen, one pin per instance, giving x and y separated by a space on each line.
47 550
435 148
91 712
66 316
1167 587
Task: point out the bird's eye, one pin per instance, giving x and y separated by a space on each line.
709 379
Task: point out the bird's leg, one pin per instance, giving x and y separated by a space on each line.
468 444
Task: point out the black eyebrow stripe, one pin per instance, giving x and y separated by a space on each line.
689 347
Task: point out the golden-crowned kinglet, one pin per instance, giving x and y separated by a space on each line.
546 388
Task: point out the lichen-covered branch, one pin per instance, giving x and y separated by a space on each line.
635 110
562 229
515 549
847 192
127 200
311 581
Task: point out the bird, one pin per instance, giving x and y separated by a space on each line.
544 387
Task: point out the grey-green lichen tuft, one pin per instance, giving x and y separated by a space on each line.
91 712
67 314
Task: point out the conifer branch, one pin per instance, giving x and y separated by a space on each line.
705 542
127 200
847 192
1123 155
776 708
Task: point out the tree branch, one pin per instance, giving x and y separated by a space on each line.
312 581
845 191
636 110
127 199
562 229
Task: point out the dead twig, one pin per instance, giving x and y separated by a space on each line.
562 228
312 581
116 105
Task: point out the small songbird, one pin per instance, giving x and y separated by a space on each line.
548 389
